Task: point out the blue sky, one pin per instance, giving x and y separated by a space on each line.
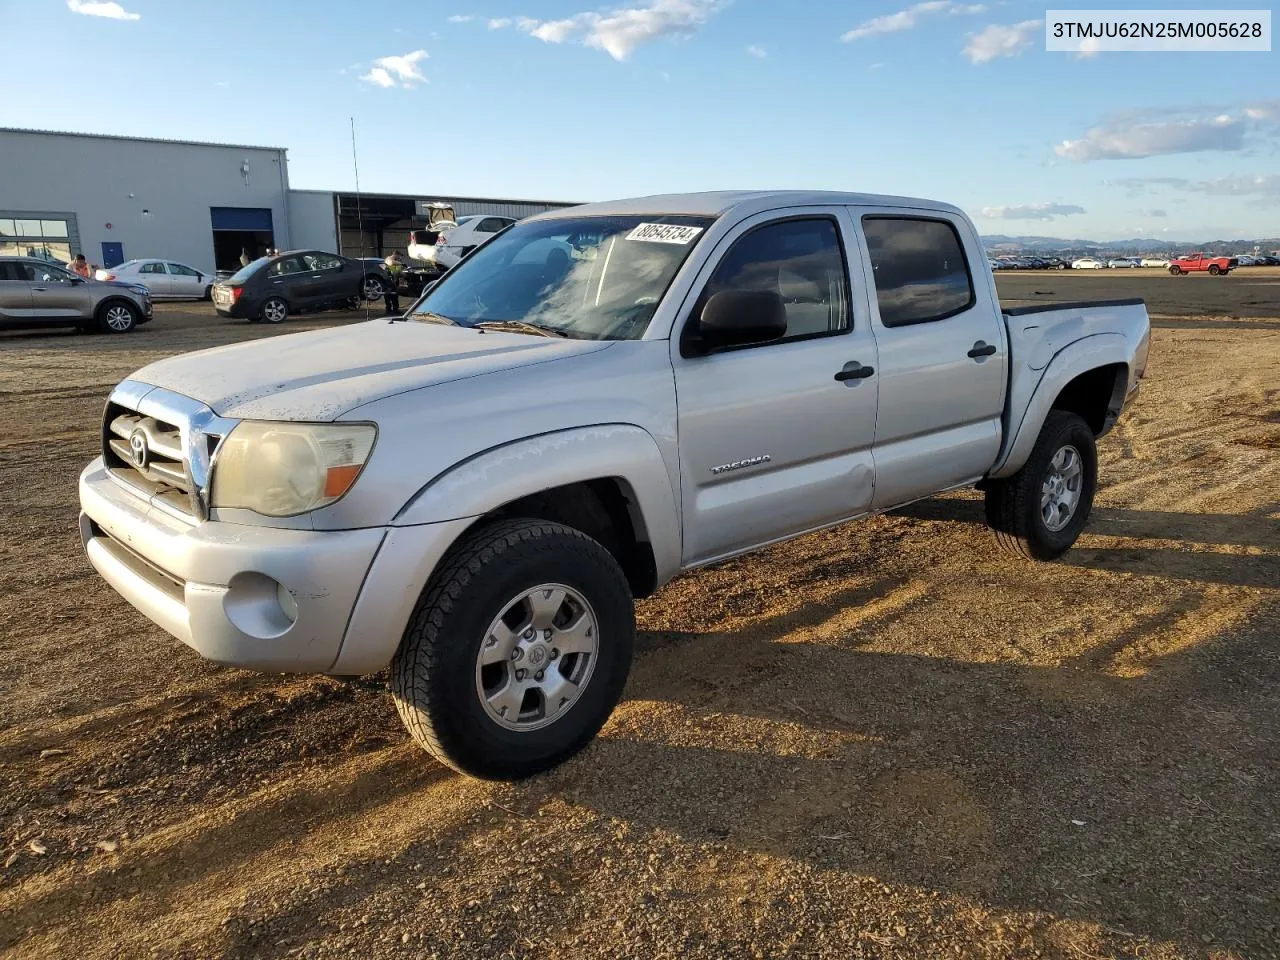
568 100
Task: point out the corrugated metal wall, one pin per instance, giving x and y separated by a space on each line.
395 233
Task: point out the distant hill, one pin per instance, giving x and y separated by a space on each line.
1002 244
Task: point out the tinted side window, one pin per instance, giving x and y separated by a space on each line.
920 270
151 268
13 271
181 271
800 259
285 267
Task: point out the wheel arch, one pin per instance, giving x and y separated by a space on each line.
573 477
610 481
1090 378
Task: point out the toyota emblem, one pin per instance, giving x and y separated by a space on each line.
138 449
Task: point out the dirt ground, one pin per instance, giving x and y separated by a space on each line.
886 740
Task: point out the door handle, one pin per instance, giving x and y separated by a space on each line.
853 370
981 349
40 289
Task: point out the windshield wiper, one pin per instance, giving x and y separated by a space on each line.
522 326
428 317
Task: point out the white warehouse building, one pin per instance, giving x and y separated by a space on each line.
201 204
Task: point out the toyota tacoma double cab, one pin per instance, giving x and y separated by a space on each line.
1202 263
594 401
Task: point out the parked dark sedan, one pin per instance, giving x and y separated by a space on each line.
271 288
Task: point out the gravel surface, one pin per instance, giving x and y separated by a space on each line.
886 740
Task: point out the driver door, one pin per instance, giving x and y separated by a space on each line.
57 294
772 443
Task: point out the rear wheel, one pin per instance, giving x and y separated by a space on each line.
274 310
371 288
1041 510
1175 270
1214 270
117 317
517 651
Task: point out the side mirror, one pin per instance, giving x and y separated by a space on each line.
75 281
734 318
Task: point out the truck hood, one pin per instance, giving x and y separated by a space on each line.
323 374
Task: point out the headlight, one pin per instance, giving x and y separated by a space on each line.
284 469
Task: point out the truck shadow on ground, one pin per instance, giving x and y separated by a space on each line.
1187 531
1147 805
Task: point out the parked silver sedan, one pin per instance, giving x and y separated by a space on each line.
165 279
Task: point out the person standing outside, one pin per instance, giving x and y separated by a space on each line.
80 266
244 257
391 295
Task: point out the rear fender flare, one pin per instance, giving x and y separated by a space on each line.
501 475
1098 350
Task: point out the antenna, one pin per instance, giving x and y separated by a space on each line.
355 166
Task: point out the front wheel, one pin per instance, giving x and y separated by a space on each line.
517 651
117 317
274 310
1041 510
208 292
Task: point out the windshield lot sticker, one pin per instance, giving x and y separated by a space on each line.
663 233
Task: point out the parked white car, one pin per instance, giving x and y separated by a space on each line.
1122 263
1087 263
597 400
165 279
467 235
1161 262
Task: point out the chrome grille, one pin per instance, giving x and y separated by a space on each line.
146 453
162 445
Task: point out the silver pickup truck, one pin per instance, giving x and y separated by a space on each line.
592 402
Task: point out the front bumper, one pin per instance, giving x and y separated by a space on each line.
216 586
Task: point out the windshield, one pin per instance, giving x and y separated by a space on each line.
598 278
245 272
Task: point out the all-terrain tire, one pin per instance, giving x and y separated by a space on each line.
1013 505
1214 270
434 673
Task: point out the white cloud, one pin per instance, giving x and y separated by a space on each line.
401 71
909 18
1266 110
102 8
1032 211
1266 185
460 18
1001 41
619 32
499 22
1157 213
757 51
1130 140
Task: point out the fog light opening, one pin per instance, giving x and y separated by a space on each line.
259 605
288 605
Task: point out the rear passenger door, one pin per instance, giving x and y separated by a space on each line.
771 442
285 278
943 355
155 278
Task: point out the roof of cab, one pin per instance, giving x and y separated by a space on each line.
743 202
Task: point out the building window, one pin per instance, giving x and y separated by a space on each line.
33 237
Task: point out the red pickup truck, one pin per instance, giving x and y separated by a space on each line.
1193 262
